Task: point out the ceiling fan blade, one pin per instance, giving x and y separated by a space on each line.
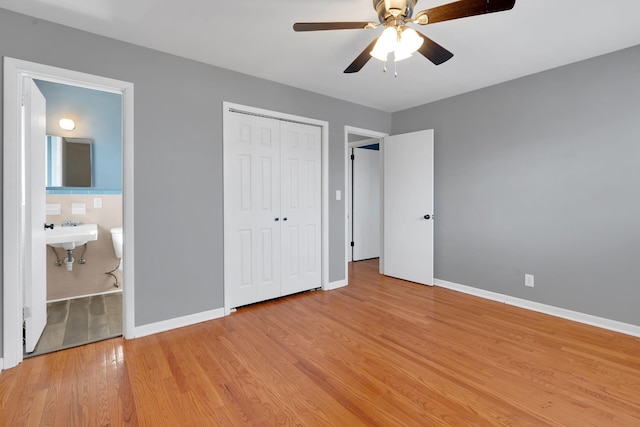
361 60
463 9
433 51
321 26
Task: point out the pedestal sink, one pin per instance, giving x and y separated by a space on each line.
70 237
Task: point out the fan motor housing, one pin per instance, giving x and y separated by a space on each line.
393 8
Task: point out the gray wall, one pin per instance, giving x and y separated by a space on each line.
178 155
541 175
537 175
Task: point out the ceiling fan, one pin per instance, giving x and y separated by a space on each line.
394 15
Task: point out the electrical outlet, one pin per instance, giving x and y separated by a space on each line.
528 280
97 202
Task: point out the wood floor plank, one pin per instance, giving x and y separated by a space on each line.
379 351
52 381
125 409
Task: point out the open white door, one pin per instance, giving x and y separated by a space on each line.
408 207
33 206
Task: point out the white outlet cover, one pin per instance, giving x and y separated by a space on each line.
78 209
53 209
528 280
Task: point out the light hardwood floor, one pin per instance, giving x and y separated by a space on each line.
377 352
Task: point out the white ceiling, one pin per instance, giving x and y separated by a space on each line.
255 37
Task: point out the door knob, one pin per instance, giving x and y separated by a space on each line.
427 216
277 219
284 219
48 226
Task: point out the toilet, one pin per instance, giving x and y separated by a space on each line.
116 237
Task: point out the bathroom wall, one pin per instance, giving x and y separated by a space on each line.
89 278
98 116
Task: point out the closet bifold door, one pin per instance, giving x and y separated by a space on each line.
272 208
252 209
301 158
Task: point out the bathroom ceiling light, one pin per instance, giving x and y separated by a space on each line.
67 124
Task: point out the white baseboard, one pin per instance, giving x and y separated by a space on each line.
178 322
335 285
600 322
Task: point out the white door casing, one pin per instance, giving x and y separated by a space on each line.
366 203
408 206
15 172
348 132
349 214
274 187
33 206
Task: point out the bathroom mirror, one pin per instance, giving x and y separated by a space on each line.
68 162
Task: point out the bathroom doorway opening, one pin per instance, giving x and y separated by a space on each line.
83 180
17 228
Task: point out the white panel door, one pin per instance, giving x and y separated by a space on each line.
408 206
366 204
34 201
252 209
301 148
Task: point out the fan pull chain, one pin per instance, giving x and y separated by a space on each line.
384 67
395 69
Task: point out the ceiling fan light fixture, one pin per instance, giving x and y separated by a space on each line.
382 56
394 15
402 42
386 43
410 41
399 55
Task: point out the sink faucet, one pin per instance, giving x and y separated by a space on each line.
70 223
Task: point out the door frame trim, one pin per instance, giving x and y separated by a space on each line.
13 171
324 125
347 239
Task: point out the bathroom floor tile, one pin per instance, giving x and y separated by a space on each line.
77 330
98 328
51 339
97 306
57 312
80 321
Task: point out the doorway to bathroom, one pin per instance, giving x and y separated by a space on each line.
85 296
83 175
